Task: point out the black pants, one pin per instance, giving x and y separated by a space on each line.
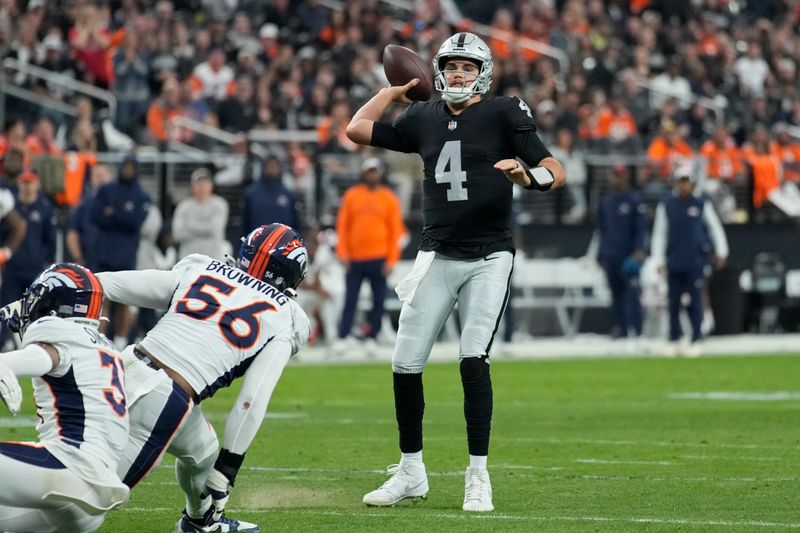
356 274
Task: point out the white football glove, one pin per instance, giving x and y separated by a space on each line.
218 487
10 314
10 391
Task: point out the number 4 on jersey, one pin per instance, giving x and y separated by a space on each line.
450 156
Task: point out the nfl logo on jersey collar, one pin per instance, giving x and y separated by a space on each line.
452 125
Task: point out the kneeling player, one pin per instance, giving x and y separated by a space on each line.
222 321
67 480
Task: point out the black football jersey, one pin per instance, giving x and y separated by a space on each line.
466 201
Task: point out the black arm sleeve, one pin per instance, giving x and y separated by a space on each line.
529 147
400 135
388 136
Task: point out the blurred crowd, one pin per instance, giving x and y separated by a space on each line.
712 82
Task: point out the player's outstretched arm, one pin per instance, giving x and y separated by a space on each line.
143 288
548 174
246 417
34 360
360 128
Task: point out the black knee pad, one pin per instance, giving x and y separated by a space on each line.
474 369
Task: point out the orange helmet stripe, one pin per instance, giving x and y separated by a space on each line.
259 264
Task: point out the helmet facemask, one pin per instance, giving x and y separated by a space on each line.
463 46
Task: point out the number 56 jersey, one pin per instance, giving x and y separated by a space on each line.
218 318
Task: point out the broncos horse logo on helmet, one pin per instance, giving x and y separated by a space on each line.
463 45
275 253
66 290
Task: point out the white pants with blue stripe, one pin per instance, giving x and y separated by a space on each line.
29 474
163 419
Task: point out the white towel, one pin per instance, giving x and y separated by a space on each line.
408 285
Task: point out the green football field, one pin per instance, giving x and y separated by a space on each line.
711 444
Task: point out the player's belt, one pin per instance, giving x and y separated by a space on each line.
144 358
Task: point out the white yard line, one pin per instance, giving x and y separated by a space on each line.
506 517
737 396
253 469
617 462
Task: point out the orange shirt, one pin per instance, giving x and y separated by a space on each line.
76 167
159 122
35 148
616 126
722 163
766 176
665 156
789 155
369 225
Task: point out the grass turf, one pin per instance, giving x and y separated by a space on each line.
578 445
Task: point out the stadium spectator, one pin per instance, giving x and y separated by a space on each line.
118 211
42 140
36 251
369 227
91 41
764 165
163 111
199 222
722 157
13 136
237 113
622 230
671 84
752 70
666 151
571 157
214 76
268 200
81 239
13 165
787 150
131 86
686 233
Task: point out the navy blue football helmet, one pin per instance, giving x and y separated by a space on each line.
64 289
275 253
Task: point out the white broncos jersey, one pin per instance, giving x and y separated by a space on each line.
83 417
218 318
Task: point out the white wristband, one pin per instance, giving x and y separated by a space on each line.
542 177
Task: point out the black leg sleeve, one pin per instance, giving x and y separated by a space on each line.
409 406
477 385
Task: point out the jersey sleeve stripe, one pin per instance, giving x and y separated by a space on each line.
259 264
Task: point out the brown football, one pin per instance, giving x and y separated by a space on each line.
402 65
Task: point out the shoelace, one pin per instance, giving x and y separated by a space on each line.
475 487
391 470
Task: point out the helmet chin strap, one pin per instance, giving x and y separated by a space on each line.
455 98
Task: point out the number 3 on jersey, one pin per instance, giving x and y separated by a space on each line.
117 402
247 314
450 156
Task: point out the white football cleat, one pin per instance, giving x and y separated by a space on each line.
406 481
477 490
211 521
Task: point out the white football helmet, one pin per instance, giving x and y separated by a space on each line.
468 46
